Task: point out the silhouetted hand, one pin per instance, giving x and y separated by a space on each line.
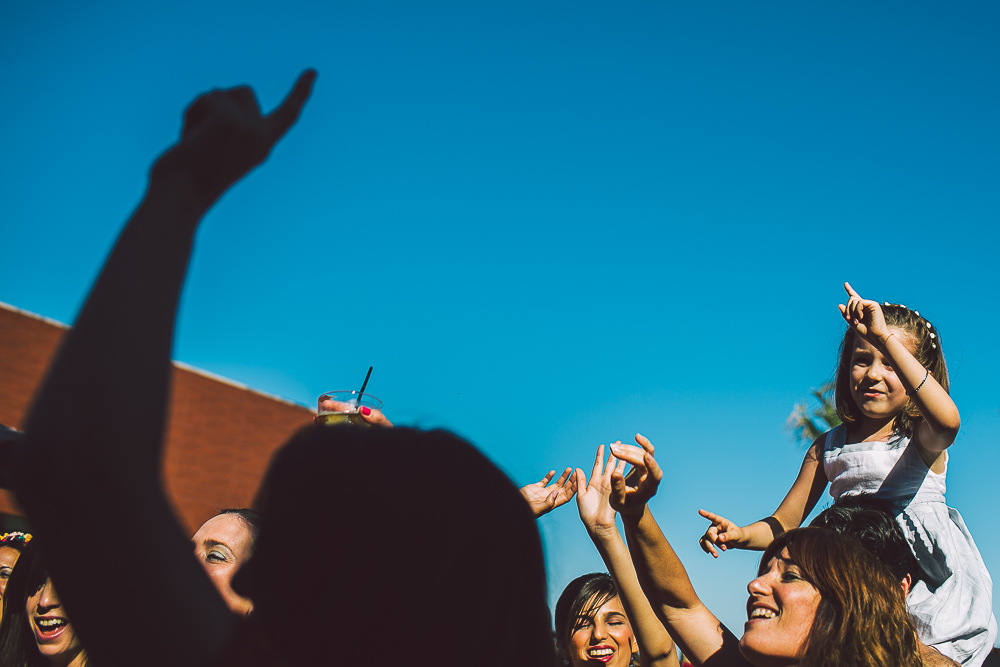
225 135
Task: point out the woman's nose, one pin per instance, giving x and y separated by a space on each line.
599 633
49 599
759 586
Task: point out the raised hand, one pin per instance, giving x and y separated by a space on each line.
225 135
721 532
631 500
593 499
543 497
865 317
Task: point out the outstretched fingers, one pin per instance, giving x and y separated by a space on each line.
598 464
562 478
712 535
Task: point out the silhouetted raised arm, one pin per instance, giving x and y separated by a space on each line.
88 472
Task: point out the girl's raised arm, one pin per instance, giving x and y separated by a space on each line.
793 510
655 645
88 470
941 421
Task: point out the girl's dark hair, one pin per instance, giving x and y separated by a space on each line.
861 620
17 641
580 600
927 350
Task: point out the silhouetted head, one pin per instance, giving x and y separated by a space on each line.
870 521
925 343
408 546
591 625
822 600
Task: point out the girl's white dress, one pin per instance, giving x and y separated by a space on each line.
952 604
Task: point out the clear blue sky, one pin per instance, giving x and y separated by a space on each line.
546 225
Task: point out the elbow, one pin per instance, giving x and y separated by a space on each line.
660 656
950 426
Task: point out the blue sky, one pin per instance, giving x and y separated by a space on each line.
546 227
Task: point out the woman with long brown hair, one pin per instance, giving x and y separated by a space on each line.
819 600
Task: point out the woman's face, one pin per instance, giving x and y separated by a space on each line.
222 545
53 633
8 557
780 614
603 638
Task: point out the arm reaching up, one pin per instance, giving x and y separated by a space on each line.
661 574
941 420
655 645
92 453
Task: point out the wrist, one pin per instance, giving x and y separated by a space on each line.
601 531
882 340
171 181
633 516
774 525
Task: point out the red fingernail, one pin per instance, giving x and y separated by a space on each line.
365 410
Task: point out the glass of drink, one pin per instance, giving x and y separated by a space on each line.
342 407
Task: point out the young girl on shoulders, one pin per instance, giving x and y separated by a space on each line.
898 422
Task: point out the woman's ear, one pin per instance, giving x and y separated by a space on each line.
906 583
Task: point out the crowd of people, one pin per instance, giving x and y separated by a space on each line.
433 555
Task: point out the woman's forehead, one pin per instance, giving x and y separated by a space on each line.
599 605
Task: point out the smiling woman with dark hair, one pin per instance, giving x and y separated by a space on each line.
591 625
36 631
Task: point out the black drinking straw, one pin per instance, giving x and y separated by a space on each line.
364 384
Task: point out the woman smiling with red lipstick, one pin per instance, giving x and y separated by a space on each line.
591 625
36 631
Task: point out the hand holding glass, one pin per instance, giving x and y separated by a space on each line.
343 407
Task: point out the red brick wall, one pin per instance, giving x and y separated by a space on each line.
220 435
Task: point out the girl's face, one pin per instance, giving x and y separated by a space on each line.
603 638
53 633
780 614
875 387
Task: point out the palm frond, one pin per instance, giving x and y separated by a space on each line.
808 423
